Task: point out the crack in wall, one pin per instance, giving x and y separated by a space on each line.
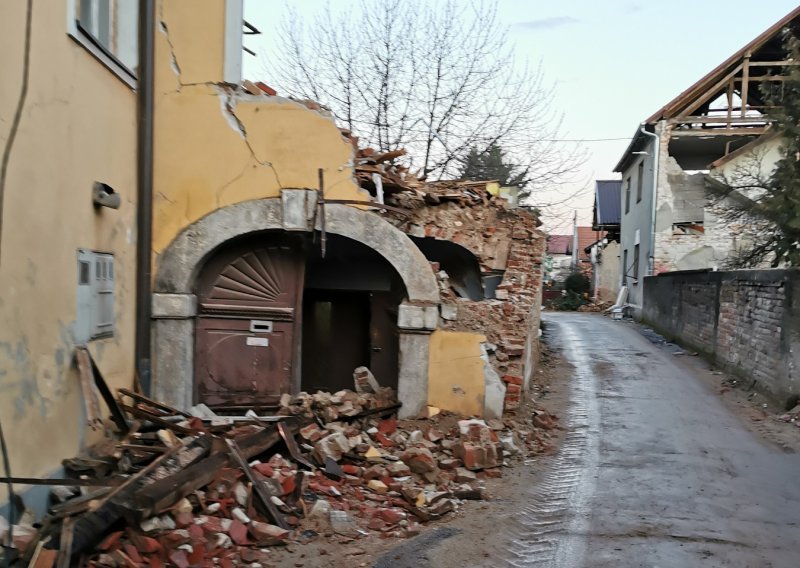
228 107
165 30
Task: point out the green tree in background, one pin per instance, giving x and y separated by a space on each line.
769 201
492 164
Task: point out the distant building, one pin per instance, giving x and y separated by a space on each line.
558 258
605 252
667 221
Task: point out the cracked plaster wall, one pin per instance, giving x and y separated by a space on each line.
678 194
215 146
78 126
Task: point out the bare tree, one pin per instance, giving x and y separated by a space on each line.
437 78
737 198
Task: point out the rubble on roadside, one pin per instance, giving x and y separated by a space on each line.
596 306
190 489
792 416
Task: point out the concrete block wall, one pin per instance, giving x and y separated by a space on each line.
746 321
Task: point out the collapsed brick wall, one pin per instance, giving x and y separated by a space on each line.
501 239
747 321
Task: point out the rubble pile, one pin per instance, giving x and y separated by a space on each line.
792 416
598 306
190 489
509 250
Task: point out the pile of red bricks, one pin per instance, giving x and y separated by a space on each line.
506 243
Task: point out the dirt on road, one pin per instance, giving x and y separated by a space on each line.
481 532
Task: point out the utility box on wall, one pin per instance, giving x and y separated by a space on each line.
95 296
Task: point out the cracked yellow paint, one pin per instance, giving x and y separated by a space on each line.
78 127
456 372
215 147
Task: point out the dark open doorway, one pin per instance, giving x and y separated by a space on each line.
335 338
349 316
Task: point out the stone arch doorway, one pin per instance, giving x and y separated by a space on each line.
175 304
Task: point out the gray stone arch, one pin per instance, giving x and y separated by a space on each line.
175 306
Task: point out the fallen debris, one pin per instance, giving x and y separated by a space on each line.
190 489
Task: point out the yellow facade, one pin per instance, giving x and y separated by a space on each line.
78 126
214 147
456 380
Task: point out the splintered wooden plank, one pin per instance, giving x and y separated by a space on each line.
261 489
166 409
100 385
65 543
94 416
291 444
155 419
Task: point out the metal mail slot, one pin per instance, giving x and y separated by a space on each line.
261 326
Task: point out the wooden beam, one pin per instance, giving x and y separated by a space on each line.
705 97
699 119
94 416
709 133
787 63
262 490
68 482
745 83
730 103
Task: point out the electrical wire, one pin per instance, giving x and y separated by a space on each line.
12 133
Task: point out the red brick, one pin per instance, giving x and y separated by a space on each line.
512 379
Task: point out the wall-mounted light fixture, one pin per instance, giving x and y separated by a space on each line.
103 195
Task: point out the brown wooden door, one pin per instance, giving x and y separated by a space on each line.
245 340
384 339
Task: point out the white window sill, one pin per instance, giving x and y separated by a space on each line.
123 73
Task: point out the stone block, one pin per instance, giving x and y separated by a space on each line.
174 306
410 317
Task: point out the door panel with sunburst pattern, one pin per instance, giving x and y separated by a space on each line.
248 299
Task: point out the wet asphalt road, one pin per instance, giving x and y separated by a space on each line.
655 471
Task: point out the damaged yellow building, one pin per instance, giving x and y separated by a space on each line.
246 306
68 204
220 249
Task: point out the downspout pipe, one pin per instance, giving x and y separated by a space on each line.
656 149
144 215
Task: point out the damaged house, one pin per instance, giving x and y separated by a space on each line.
275 271
668 221
487 254
262 259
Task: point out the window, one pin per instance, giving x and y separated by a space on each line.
636 263
627 195
95 317
625 268
109 29
640 182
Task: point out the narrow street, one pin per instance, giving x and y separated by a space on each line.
655 471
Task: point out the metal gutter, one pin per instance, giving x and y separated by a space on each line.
144 216
656 150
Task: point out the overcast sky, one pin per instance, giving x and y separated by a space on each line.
612 62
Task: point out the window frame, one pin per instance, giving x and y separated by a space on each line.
628 195
640 182
625 267
636 263
88 41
